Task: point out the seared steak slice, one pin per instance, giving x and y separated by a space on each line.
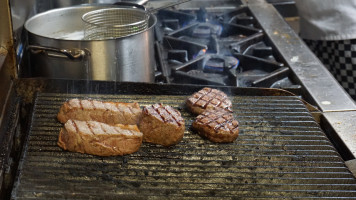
161 125
100 139
207 99
106 112
217 125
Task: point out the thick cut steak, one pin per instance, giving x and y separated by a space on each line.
217 125
98 138
161 125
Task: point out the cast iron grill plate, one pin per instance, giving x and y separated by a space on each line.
281 153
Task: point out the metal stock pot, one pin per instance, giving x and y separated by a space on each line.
57 49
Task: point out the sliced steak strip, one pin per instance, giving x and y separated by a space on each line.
161 125
100 139
106 112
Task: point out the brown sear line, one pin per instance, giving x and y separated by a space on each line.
201 96
101 126
225 97
92 103
216 128
221 101
211 120
117 106
77 130
75 126
210 99
231 131
88 125
223 124
130 108
195 102
81 105
156 110
172 116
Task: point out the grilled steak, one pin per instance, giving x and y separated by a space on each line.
217 125
100 139
106 112
161 125
207 99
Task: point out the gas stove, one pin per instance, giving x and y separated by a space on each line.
217 47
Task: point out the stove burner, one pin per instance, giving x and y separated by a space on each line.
202 31
205 30
218 63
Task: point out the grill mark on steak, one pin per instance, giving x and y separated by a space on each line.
93 105
211 97
73 102
167 117
77 130
90 128
174 114
222 126
165 114
221 101
81 105
155 112
131 110
75 126
203 94
199 97
217 96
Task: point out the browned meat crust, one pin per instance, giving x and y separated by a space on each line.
161 125
106 112
100 139
206 99
217 125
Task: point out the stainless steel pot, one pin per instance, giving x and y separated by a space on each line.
57 49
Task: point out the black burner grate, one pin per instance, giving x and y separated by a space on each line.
281 153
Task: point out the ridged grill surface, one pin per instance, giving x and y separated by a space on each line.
281 153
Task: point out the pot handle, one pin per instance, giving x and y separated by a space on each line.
73 54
